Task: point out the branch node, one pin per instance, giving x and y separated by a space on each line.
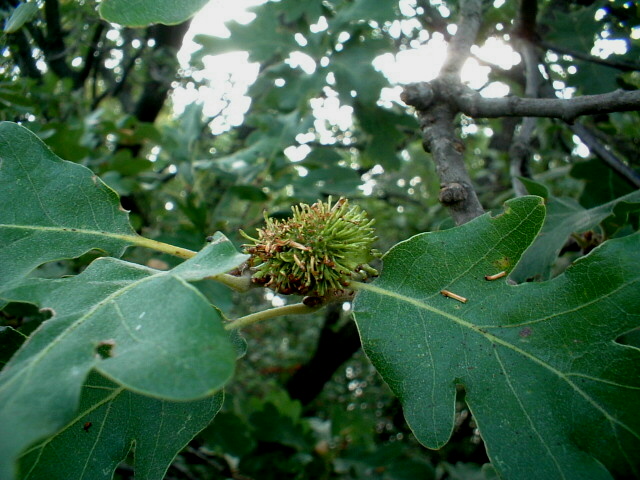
452 193
419 95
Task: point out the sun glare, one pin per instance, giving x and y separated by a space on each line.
227 77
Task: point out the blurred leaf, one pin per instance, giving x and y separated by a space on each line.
51 209
324 181
229 434
464 471
384 135
124 163
10 341
150 331
355 75
591 77
299 87
13 96
264 38
552 393
359 10
271 425
248 192
595 79
296 9
112 420
386 462
146 12
602 184
564 217
21 15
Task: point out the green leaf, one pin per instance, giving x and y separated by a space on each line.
21 15
384 135
601 183
147 330
355 73
293 10
334 180
51 209
264 38
565 216
249 192
562 25
141 13
366 10
10 341
553 394
110 422
229 434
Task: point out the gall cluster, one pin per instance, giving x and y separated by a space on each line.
316 252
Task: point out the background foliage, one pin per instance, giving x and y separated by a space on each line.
305 402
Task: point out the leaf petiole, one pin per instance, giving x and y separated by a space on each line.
158 246
239 284
295 309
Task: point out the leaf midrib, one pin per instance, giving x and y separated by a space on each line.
41 446
72 230
494 339
34 360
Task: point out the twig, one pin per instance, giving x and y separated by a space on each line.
617 64
473 104
627 173
54 48
91 56
23 55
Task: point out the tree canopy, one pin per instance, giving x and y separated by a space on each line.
493 330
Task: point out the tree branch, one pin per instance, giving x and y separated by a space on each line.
520 149
460 45
53 46
21 52
439 138
437 116
334 347
627 173
617 64
473 104
91 57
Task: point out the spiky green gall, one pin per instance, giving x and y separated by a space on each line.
316 252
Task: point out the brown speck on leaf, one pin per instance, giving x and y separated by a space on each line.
525 332
87 426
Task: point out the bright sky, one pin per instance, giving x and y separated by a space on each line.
228 76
